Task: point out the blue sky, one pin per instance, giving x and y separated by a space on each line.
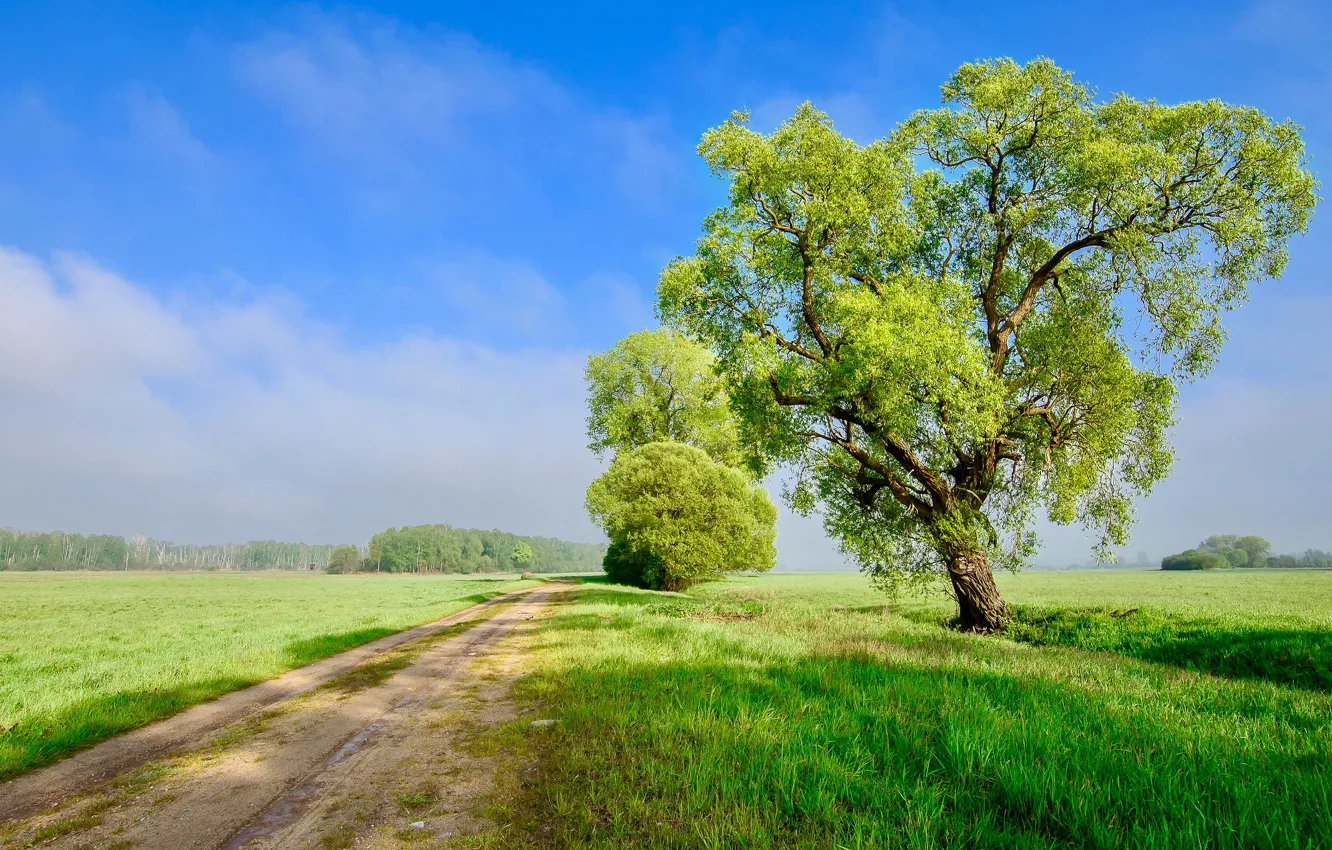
306 271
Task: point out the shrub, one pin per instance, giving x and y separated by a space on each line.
345 559
1193 560
675 517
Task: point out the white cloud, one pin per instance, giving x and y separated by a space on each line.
89 338
208 422
367 84
205 422
415 105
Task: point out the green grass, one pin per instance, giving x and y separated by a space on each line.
803 712
1250 624
89 655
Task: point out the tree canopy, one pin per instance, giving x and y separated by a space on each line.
659 385
675 516
522 554
442 548
940 351
1239 551
1221 551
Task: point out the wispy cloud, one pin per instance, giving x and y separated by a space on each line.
205 421
499 296
366 84
167 136
407 103
199 421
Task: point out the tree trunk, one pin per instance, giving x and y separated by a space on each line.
981 608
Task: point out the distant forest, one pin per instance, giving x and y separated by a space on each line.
1223 551
428 548
444 549
58 550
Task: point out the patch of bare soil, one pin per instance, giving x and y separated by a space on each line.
377 756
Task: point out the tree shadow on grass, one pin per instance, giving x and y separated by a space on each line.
1301 658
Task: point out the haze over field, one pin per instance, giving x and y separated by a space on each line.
305 274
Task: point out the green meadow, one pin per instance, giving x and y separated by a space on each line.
84 656
1133 709
1123 709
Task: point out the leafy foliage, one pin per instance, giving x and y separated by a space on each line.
345 559
522 553
675 517
629 565
1247 551
939 353
445 549
1194 560
658 385
1232 550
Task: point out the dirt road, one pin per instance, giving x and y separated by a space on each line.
367 749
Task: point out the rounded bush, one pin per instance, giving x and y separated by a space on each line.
1193 560
345 559
676 517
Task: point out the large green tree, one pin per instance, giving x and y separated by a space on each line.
659 385
986 313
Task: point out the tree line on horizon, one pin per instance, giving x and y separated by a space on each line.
59 550
445 549
430 548
1233 551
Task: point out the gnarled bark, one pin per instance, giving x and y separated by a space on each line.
981 607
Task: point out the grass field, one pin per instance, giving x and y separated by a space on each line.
84 656
803 712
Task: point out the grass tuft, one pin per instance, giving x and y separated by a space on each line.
341 837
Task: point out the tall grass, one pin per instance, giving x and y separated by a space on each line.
86 656
801 712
